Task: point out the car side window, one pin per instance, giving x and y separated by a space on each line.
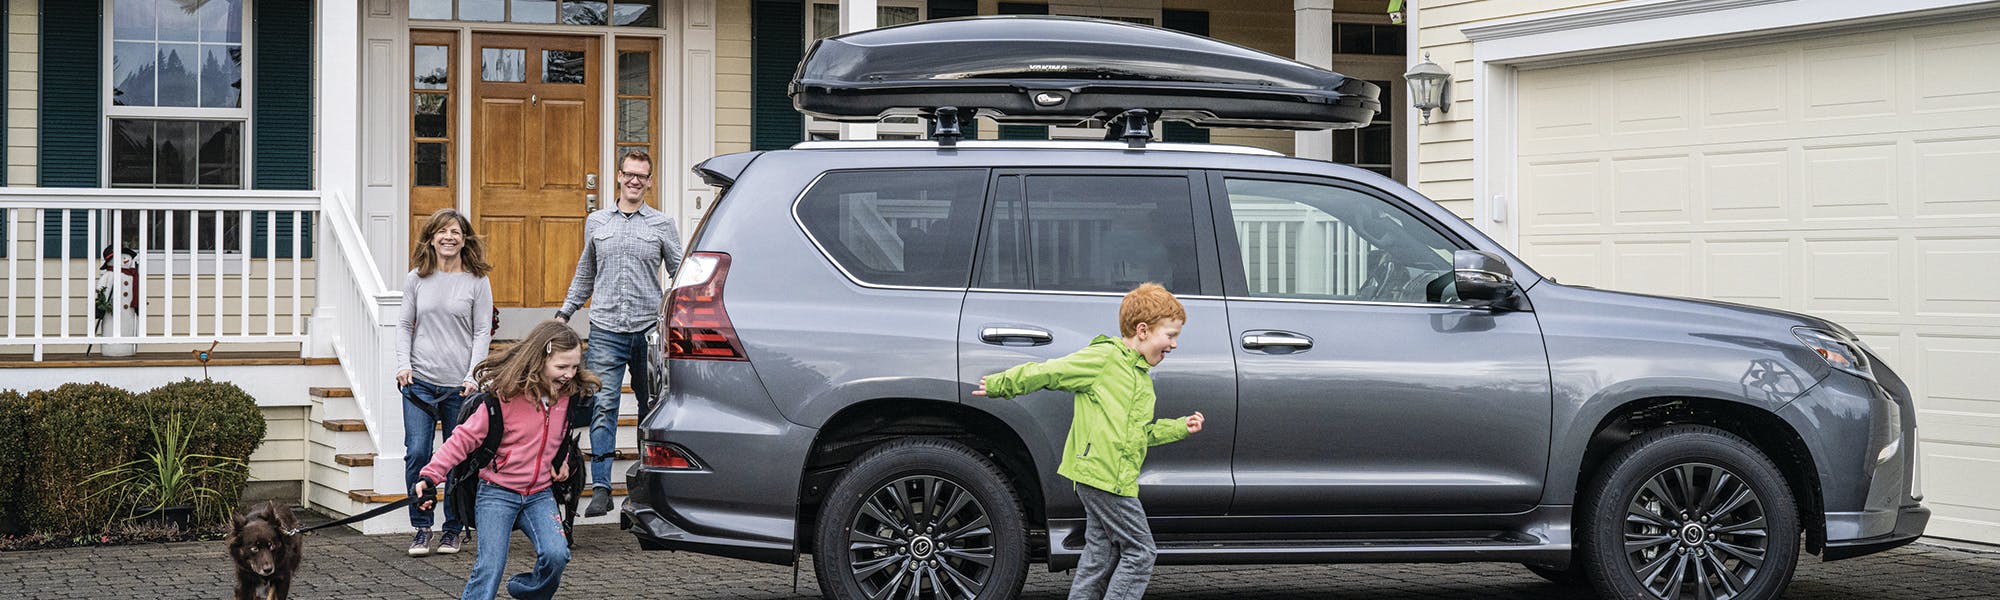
901 227
1090 233
1321 242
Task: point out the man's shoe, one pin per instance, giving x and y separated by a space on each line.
600 502
421 544
449 543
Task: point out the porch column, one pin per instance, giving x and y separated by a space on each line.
857 15
1313 43
339 67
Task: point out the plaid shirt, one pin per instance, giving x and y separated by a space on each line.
622 253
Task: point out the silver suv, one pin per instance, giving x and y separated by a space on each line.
1382 382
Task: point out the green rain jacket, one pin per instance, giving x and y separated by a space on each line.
1114 422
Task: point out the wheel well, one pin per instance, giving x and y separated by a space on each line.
858 428
1766 431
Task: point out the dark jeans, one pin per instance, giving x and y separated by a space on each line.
609 356
418 429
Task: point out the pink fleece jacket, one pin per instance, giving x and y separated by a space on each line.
528 443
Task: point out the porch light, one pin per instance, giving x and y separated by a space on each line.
1428 87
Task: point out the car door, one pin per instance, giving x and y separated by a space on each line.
1058 252
1365 386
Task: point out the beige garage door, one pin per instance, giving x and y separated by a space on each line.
1855 178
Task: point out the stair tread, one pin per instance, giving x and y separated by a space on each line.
355 460
330 392
344 425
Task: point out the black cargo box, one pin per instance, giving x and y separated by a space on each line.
1069 70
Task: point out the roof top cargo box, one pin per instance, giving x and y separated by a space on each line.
1067 70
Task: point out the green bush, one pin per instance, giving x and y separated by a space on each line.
71 432
13 460
224 421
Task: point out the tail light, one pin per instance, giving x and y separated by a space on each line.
668 456
697 326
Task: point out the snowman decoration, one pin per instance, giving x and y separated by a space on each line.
121 275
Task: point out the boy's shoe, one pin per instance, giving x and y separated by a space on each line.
449 543
421 544
600 502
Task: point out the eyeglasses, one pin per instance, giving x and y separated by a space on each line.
631 175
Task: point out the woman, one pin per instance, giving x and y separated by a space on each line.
447 327
535 382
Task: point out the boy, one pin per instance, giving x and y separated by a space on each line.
1109 435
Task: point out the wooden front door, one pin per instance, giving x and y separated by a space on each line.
535 144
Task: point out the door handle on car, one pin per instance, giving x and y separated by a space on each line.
1256 340
1002 335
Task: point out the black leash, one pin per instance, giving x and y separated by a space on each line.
372 513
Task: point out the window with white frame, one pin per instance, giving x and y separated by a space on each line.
826 23
176 112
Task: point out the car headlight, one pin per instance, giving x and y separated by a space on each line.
1838 351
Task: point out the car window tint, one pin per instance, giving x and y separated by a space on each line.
1091 233
1302 240
904 227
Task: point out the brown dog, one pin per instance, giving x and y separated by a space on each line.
266 555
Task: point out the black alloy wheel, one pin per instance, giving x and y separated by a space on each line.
921 519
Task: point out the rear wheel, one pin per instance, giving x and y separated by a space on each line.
921 518
1689 512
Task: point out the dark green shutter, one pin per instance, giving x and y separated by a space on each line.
1023 132
1187 21
5 225
777 42
947 9
68 154
281 117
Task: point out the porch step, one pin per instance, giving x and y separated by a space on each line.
331 392
370 497
222 359
344 425
355 460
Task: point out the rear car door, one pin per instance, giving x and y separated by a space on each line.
1058 252
1365 386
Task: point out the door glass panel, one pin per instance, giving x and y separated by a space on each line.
482 10
534 11
430 167
1096 233
562 66
897 228
430 9
639 13
503 65
432 67
632 120
433 115
1300 240
585 12
635 73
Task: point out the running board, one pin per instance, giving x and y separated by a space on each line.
1549 544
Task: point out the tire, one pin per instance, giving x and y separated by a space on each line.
1688 511
880 534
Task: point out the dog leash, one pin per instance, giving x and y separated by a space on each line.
372 513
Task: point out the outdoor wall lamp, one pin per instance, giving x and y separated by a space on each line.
1428 87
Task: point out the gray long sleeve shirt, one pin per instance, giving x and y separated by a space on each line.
447 326
622 254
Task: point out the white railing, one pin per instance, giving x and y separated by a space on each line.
196 274
365 315
1290 249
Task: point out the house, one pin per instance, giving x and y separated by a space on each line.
1834 157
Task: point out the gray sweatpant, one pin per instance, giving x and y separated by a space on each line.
1118 548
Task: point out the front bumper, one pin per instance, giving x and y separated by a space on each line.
1910 522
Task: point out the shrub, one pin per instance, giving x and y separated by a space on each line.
223 421
13 460
69 433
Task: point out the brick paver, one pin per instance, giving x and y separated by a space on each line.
608 564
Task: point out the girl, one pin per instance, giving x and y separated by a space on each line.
447 326
535 382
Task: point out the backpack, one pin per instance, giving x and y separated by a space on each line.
461 488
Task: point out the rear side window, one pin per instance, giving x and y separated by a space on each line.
897 227
1091 233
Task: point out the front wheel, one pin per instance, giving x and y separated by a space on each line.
1689 511
921 518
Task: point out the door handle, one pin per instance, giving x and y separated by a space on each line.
1002 335
1265 339
589 202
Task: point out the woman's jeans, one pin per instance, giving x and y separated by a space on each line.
500 511
418 427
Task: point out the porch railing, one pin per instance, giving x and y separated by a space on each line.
197 266
365 315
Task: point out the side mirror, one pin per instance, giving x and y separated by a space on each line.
1482 277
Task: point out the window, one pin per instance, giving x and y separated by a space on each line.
1309 241
431 124
908 228
637 113
826 23
1090 233
176 113
1368 38
621 13
1371 147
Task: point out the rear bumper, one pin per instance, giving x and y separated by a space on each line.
656 530
1910 522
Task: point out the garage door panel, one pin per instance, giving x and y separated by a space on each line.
1846 80
1578 263
1567 193
1957 177
1851 277
1746 90
1957 277
1845 182
1748 271
1961 502
1652 99
1957 71
1651 189
1559 105
1665 268
1747 186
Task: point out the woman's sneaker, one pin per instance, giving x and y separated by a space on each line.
449 543
421 544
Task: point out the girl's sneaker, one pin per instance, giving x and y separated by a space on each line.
449 543
421 544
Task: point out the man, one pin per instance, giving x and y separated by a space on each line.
623 248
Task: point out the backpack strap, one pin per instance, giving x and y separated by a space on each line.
494 426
